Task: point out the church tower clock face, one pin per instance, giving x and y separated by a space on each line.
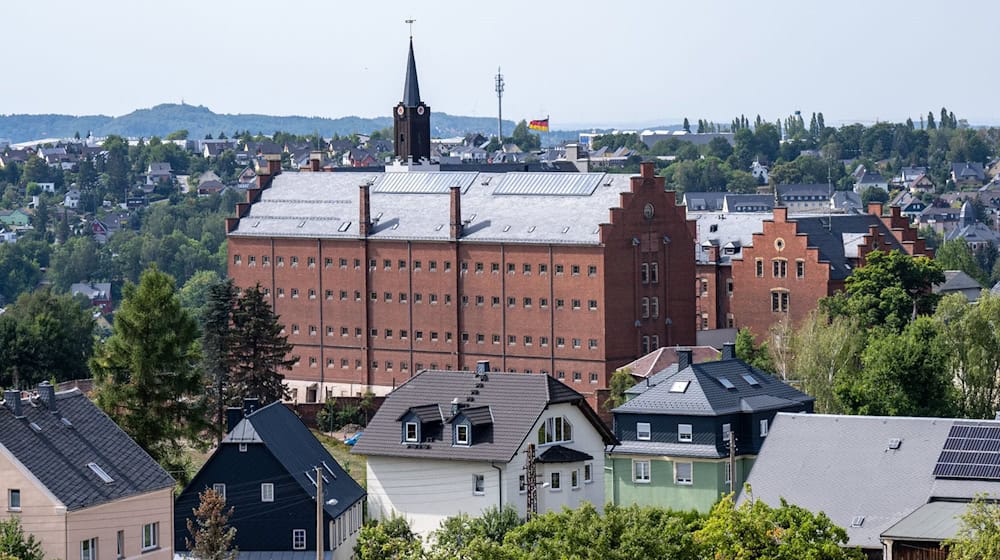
400 110
420 110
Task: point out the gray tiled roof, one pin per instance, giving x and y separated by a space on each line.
58 453
843 466
737 228
957 280
707 396
516 401
667 449
804 189
299 452
934 521
836 236
704 201
547 207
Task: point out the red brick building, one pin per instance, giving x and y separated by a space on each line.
721 238
793 262
376 276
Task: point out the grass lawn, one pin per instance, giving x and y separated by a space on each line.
355 465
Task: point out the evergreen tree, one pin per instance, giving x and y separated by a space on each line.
213 537
945 122
930 121
42 217
217 342
15 544
260 350
145 374
62 235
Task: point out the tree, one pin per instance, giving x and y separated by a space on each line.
217 343
621 380
16 544
524 139
955 254
145 374
971 341
391 539
749 352
686 125
826 350
458 534
19 272
212 536
978 536
260 350
719 147
755 530
902 374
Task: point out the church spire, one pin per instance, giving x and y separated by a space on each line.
411 91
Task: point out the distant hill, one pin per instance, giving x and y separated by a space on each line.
199 121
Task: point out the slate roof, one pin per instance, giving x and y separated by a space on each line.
975 233
704 201
720 229
411 89
843 466
516 401
805 189
748 202
956 281
58 453
707 396
299 452
967 170
837 238
560 454
325 205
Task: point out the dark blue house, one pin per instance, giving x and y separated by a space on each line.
267 467
675 430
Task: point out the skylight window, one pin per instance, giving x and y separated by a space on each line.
100 473
679 386
751 380
858 521
344 227
726 383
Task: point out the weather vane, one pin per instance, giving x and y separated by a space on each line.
410 22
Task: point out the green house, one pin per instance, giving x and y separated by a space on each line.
676 426
14 218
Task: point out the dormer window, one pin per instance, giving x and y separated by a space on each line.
462 434
411 432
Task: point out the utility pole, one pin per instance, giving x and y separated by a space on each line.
732 460
319 513
499 90
531 483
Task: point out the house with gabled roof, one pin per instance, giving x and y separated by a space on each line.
805 197
676 427
268 468
78 482
968 174
895 484
976 234
450 442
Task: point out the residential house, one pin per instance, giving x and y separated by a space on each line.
677 426
846 202
15 218
910 205
968 174
895 484
908 175
759 172
215 148
12 155
99 294
78 482
805 197
921 184
268 467
247 178
7 236
704 201
871 181
72 199
976 234
957 281
449 442
358 157
940 219
747 203
158 172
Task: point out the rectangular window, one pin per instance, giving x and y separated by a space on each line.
641 472
462 434
120 540
527 268
267 492
574 479
591 270
555 484
588 473
575 270
237 259
543 341
543 302
644 273
654 306
295 262
511 268
760 267
220 489
432 265
763 428
150 536
494 268
343 263
522 484
416 265
592 304
14 499
311 261
642 431
645 308
543 268
779 301
411 431
682 473
298 539
559 269
479 267
327 262
88 549
478 484
684 433
780 267
402 265
593 377
800 269
726 431
654 272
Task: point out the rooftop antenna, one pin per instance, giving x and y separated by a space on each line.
499 90
410 23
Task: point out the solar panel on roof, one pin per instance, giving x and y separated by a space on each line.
971 451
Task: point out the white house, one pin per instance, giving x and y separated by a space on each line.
72 198
450 442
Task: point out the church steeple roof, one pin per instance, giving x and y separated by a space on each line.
967 216
411 91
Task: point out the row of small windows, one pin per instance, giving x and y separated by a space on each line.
479 338
650 307
555 480
650 343
432 266
779 268
418 297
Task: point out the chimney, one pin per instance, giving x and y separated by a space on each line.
273 163
683 358
780 213
456 212
647 170
250 406
482 366
712 251
48 395
365 210
454 406
875 208
314 160
233 416
729 351
12 400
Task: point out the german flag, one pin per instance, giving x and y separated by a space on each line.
542 125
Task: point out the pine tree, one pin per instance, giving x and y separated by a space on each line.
687 125
217 342
213 537
260 350
930 121
145 374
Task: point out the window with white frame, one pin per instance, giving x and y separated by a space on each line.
410 433
298 539
555 484
684 432
478 484
220 489
522 484
554 430
574 479
150 536
267 492
763 428
642 431
682 472
14 499
588 473
462 434
88 549
641 472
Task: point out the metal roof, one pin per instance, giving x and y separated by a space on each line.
551 184
934 521
439 182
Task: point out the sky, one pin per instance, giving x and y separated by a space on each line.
583 63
